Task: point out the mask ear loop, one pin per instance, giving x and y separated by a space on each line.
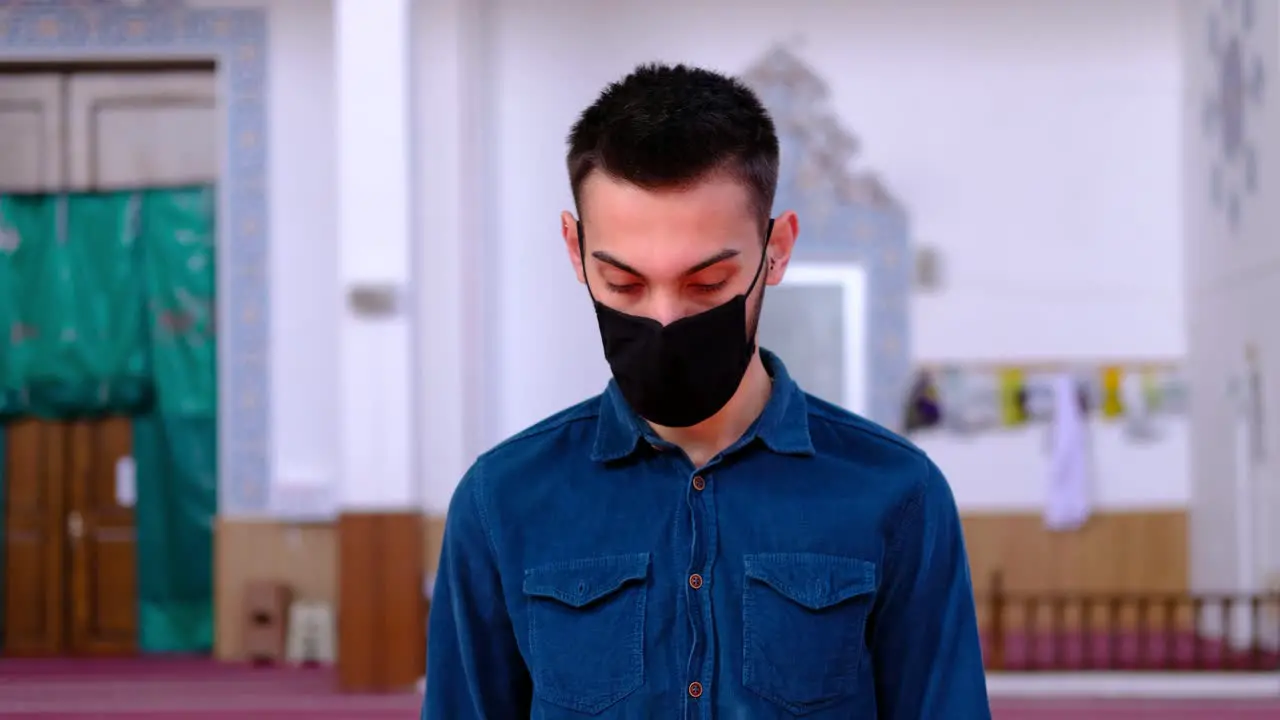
768 234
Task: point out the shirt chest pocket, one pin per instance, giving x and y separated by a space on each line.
586 630
804 623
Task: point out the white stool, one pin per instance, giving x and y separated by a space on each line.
311 634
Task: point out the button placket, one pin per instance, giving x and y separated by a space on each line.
701 503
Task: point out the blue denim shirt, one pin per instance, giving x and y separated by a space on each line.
814 569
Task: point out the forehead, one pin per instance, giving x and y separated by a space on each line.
658 227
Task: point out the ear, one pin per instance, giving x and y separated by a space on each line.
786 228
569 230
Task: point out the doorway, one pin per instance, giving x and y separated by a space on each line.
69 516
71 580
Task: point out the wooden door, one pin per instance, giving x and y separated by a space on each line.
33 540
31 148
102 579
142 129
35 567
70 555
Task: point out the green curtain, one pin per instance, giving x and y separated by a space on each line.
175 446
107 299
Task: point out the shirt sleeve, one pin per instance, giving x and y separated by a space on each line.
474 667
927 657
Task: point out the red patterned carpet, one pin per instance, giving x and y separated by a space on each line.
182 689
185 689
1129 651
1136 709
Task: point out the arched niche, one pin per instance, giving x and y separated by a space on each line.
841 319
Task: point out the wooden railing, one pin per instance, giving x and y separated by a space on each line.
1063 631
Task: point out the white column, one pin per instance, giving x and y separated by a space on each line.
452 166
374 152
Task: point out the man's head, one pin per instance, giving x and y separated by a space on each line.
674 171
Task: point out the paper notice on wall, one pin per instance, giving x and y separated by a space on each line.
1112 392
969 400
1139 424
1013 397
126 482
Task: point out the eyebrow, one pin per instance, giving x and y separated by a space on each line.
719 257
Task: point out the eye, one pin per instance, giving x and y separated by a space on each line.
707 289
627 289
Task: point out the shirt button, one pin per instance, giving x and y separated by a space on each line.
695 581
698 483
695 690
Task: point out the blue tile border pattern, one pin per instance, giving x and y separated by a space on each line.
236 39
846 217
1234 106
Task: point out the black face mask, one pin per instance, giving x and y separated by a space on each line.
678 375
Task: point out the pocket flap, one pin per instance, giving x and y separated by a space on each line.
813 580
578 583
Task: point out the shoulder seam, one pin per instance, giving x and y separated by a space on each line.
481 499
912 501
854 424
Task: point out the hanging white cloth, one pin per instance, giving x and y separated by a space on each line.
1070 496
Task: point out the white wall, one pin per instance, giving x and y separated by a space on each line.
1233 289
1035 142
305 273
458 324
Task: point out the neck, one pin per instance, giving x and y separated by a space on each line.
712 436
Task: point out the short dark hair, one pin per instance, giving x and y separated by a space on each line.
670 126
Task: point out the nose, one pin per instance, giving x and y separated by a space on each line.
666 308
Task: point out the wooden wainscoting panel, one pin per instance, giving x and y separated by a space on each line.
432 541
1124 552
381 625
1116 554
303 556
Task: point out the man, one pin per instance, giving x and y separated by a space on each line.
702 540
